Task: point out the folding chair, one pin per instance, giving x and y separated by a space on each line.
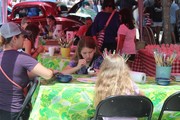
148 35
151 35
172 103
27 99
124 106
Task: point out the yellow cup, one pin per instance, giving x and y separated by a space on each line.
65 52
50 34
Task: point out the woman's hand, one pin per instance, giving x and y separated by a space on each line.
96 71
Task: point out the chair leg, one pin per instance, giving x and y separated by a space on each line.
160 115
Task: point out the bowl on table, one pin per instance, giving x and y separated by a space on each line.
163 81
63 78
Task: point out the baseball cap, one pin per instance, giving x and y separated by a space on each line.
11 29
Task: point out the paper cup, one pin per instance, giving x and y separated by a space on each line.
51 51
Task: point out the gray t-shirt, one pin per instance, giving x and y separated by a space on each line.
15 64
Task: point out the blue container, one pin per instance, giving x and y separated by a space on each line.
163 74
63 78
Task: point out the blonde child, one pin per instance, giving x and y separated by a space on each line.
114 79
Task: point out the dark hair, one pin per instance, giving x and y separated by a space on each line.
85 3
33 30
52 18
108 3
88 18
127 18
63 7
88 42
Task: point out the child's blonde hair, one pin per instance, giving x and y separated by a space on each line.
113 79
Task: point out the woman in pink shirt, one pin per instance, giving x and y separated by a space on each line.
126 34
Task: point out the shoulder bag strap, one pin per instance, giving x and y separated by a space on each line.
110 18
10 79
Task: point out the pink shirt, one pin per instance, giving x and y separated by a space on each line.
129 44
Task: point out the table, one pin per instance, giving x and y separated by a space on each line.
55 62
145 62
74 101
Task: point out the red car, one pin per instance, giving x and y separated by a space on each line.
39 10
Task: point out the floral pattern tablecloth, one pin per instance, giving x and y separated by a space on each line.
54 62
74 101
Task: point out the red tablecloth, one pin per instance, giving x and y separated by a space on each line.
145 62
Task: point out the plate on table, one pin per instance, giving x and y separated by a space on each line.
87 80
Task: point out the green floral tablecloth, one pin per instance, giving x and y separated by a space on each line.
74 101
55 62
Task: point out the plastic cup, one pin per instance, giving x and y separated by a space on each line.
51 51
163 74
65 52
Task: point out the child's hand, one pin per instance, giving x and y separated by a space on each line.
96 71
81 63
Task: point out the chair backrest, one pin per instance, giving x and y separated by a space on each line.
148 35
151 34
172 103
28 97
124 106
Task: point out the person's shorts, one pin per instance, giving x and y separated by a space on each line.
172 26
155 24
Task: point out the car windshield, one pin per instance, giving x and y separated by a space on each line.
82 9
28 12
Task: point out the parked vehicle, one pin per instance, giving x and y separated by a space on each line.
39 10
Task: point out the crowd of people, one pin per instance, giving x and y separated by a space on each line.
153 13
20 51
